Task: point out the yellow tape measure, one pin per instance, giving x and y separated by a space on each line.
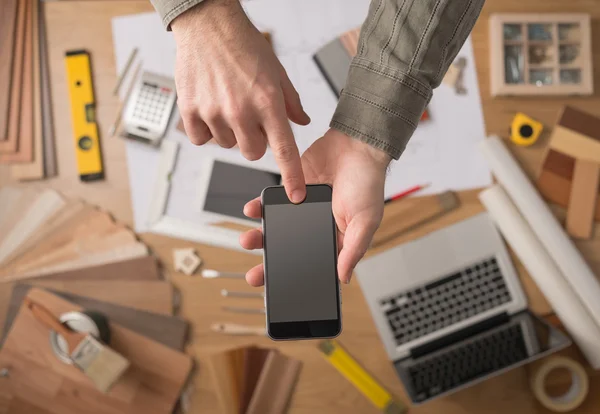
365 383
83 112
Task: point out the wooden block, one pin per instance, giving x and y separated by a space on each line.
8 19
34 170
582 202
23 117
151 386
165 329
575 144
580 121
275 385
554 181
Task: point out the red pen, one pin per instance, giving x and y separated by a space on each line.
406 193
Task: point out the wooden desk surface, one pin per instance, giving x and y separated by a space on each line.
86 24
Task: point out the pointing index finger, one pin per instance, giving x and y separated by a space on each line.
281 139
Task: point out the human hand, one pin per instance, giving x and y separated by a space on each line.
356 172
231 87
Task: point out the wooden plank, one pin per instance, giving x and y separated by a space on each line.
149 296
580 121
10 144
165 329
574 144
24 150
34 170
582 203
152 385
8 18
50 167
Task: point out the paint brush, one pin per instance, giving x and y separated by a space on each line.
235 329
213 274
103 366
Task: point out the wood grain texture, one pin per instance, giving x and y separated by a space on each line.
8 18
575 144
149 296
13 150
151 386
34 170
320 388
227 372
276 385
165 329
582 202
50 167
580 121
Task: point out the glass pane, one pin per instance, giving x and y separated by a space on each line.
568 54
569 32
540 77
513 64
539 31
541 55
512 31
570 76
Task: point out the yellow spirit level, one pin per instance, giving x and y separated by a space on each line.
366 384
83 112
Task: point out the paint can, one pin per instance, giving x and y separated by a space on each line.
89 322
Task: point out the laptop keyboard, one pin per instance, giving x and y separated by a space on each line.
447 370
451 299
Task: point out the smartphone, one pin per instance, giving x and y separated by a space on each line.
302 292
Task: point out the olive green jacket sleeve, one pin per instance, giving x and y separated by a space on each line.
405 49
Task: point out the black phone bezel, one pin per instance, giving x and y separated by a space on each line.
315 193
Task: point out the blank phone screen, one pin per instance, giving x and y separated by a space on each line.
300 262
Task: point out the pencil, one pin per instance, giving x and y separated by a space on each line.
115 125
406 193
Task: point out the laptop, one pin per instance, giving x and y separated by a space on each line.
451 311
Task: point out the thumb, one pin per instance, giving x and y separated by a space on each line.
293 105
357 239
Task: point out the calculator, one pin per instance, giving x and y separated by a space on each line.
149 108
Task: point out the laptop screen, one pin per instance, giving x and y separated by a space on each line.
465 359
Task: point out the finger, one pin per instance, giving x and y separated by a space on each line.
357 238
222 133
251 141
252 239
281 140
293 104
253 209
196 129
256 276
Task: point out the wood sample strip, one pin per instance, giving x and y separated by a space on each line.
8 19
276 385
9 145
350 41
575 144
227 374
149 296
152 385
580 121
50 167
582 203
138 269
8 196
34 170
47 204
254 361
165 329
13 149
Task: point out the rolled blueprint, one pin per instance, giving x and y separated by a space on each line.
543 223
543 270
